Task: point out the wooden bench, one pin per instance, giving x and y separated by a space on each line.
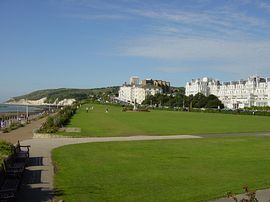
8 186
11 172
21 152
13 167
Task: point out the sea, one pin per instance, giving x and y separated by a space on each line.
6 108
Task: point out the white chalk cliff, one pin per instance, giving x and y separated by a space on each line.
41 102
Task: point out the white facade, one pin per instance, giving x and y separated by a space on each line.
136 94
125 93
133 93
134 80
234 94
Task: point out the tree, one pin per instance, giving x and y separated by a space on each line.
213 102
199 100
179 100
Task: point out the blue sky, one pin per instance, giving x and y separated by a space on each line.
96 43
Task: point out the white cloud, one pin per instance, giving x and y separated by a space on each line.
230 56
196 48
238 40
265 6
174 69
98 16
225 21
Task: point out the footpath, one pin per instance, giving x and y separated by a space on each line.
37 184
22 133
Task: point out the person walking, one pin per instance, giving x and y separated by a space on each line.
2 124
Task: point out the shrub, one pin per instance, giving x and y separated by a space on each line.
11 127
53 123
250 196
6 130
14 126
5 150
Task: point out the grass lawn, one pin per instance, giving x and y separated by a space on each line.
168 170
117 123
5 150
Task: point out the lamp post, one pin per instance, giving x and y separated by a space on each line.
17 113
27 112
183 103
135 107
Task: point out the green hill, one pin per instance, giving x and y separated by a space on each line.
68 93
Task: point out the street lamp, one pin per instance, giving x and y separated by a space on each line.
27 110
17 113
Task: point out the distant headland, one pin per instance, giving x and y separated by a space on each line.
60 96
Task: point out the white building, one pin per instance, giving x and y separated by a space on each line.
134 92
255 91
134 80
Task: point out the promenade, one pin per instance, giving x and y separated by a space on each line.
22 133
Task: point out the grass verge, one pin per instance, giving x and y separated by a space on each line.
168 170
98 123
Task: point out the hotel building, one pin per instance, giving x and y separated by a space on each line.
136 91
255 91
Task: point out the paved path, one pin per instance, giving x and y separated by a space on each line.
22 133
38 181
261 195
38 184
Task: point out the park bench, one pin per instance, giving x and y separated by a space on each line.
13 167
11 172
8 186
15 164
21 152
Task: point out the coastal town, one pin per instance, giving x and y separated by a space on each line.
135 101
255 91
234 95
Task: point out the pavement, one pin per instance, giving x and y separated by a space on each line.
22 133
261 195
37 184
